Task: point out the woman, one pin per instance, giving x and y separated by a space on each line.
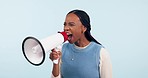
83 56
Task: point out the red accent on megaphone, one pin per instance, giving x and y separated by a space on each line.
64 35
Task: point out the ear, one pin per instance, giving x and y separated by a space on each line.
83 29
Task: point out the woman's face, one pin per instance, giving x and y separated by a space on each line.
74 28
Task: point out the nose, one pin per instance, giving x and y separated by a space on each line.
66 28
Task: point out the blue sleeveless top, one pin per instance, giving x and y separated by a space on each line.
80 63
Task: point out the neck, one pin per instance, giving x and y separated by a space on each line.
82 43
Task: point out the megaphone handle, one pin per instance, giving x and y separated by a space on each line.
58 48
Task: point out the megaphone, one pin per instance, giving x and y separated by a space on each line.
34 50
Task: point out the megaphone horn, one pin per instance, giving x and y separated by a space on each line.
34 49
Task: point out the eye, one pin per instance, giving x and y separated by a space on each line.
71 24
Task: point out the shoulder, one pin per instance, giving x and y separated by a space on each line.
104 54
96 46
103 51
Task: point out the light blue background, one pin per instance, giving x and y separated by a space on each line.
121 26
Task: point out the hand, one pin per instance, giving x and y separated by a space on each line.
55 55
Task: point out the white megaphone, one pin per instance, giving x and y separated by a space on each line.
34 50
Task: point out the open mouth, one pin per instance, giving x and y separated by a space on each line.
69 36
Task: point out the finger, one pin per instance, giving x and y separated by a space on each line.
51 56
59 53
54 55
53 50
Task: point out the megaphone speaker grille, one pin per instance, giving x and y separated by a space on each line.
33 51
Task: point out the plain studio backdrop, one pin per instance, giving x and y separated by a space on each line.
121 26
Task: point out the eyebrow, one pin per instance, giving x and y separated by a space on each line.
69 23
